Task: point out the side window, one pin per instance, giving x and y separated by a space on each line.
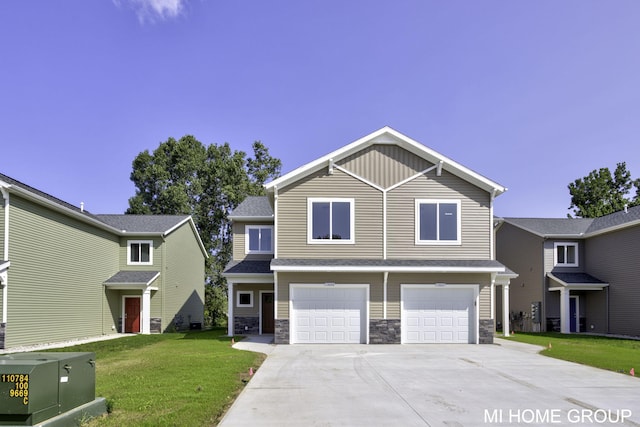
140 252
259 239
437 222
566 254
330 221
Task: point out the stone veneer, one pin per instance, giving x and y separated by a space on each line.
384 331
486 331
156 325
281 333
246 325
3 328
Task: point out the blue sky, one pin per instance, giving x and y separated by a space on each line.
532 94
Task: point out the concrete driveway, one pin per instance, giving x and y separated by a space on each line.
431 385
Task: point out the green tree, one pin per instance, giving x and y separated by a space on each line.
185 177
601 193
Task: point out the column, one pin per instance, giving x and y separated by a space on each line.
146 311
505 310
565 321
230 309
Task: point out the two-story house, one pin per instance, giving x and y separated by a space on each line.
581 273
66 273
381 241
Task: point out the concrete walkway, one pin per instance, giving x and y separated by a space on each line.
430 385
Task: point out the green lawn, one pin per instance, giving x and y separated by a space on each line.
170 379
613 354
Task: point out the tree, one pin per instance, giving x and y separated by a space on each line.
601 193
185 177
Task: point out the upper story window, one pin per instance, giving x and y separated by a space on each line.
437 222
330 220
140 252
259 239
566 254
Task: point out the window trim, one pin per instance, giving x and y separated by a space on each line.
238 304
438 242
311 240
247 250
130 242
565 264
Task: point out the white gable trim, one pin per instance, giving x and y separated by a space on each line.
387 135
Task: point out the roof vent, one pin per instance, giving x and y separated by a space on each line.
626 210
81 206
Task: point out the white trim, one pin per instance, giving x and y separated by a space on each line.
474 334
275 296
366 286
387 135
250 293
230 319
385 282
382 269
275 222
411 178
247 249
566 264
140 242
359 178
124 305
438 241
5 276
330 200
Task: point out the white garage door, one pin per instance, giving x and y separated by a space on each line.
438 315
328 314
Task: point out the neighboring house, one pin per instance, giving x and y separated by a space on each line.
66 273
381 241
583 273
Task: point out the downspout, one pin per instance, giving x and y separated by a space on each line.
384 233
492 237
275 251
384 294
5 255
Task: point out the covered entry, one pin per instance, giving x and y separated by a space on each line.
439 313
565 284
138 301
329 313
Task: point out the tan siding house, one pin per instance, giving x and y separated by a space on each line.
66 273
381 241
584 272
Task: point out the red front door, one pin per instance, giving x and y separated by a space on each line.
131 315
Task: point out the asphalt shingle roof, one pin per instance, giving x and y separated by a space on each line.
615 219
573 278
249 267
142 223
131 277
253 206
553 226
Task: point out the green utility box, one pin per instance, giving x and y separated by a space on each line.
37 386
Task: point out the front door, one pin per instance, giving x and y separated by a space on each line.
574 323
267 313
132 315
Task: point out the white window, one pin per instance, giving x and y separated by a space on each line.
437 222
244 298
566 254
140 252
259 239
330 221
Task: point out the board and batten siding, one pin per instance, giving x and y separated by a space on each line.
613 258
475 215
58 267
292 217
240 238
384 165
374 280
183 285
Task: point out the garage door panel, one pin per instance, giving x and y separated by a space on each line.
437 315
335 314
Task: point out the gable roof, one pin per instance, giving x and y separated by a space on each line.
143 224
577 228
387 135
253 207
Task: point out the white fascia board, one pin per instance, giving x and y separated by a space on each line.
249 278
381 136
383 269
251 218
5 265
542 235
613 228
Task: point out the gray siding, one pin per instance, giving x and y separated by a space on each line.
292 217
58 265
475 217
613 258
522 252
